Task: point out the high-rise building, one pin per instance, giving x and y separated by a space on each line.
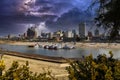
74 33
50 35
82 30
69 34
32 33
43 35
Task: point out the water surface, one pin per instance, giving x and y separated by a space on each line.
74 53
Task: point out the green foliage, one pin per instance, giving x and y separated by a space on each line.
22 72
2 66
100 68
108 16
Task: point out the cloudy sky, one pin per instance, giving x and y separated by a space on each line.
49 15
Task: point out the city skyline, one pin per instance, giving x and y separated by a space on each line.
16 16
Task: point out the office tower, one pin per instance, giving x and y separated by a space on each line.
74 32
82 30
32 33
69 34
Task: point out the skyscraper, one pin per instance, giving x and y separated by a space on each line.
74 33
31 33
82 30
69 34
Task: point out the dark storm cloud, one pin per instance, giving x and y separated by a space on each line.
70 20
59 7
56 13
42 7
9 7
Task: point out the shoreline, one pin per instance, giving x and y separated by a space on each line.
59 60
39 66
37 57
38 63
77 45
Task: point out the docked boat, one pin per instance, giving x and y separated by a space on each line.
46 47
68 47
59 46
52 47
31 46
34 46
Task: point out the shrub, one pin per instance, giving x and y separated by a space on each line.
100 68
22 72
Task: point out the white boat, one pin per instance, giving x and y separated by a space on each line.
46 46
36 46
52 47
72 47
59 46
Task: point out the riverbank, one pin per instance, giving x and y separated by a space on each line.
39 66
77 45
99 45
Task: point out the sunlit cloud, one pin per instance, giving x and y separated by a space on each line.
38 14
40 27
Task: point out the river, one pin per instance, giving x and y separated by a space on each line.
73 53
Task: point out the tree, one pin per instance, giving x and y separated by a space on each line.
100 68
22 72
108 16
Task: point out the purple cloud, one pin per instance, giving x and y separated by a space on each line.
55 13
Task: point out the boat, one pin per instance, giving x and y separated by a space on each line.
72 47
68 47
30 45
59 46
52 47
34 46
46 47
